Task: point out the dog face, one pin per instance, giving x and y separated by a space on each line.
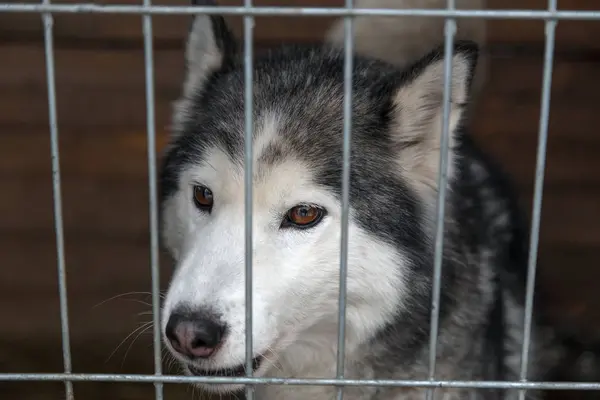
298 96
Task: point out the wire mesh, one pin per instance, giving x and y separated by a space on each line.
551 15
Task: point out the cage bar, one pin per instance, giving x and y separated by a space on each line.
345 207
82 8
152 197
442 183
248 170
550 29
139 378
48 21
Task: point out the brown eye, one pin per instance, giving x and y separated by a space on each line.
203 197
303 216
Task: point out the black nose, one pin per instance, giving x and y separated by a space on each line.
194 334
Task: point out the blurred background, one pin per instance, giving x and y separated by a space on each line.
102 125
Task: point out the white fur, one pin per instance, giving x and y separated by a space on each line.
202 54
295 272
420 109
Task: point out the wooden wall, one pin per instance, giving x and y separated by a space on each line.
101 110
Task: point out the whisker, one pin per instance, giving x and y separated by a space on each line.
120 295
272 363
168 359
147 327
144 313
143 326
140 301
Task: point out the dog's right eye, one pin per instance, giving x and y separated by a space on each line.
203 198
303 216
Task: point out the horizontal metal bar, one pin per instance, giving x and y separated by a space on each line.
300 382
299 11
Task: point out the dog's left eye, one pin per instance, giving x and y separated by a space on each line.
203 197
303 216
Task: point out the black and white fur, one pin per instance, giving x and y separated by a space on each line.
297 148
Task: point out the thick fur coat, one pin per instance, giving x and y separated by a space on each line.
397 106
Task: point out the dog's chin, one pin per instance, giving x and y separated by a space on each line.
238 371
220 389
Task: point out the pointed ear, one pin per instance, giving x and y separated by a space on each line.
210 46
418 104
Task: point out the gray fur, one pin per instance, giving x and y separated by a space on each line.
395 151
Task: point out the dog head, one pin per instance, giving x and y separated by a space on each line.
297 154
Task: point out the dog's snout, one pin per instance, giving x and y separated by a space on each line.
194 334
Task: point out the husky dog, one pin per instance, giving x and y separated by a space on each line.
298 101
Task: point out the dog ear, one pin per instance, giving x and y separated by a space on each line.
418 104
210 47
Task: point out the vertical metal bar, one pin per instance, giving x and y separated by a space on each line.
550 29
449 32
153 201
345 208
249 111
56 188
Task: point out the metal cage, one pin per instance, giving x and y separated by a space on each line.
46 9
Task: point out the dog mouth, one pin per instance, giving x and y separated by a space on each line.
236 371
